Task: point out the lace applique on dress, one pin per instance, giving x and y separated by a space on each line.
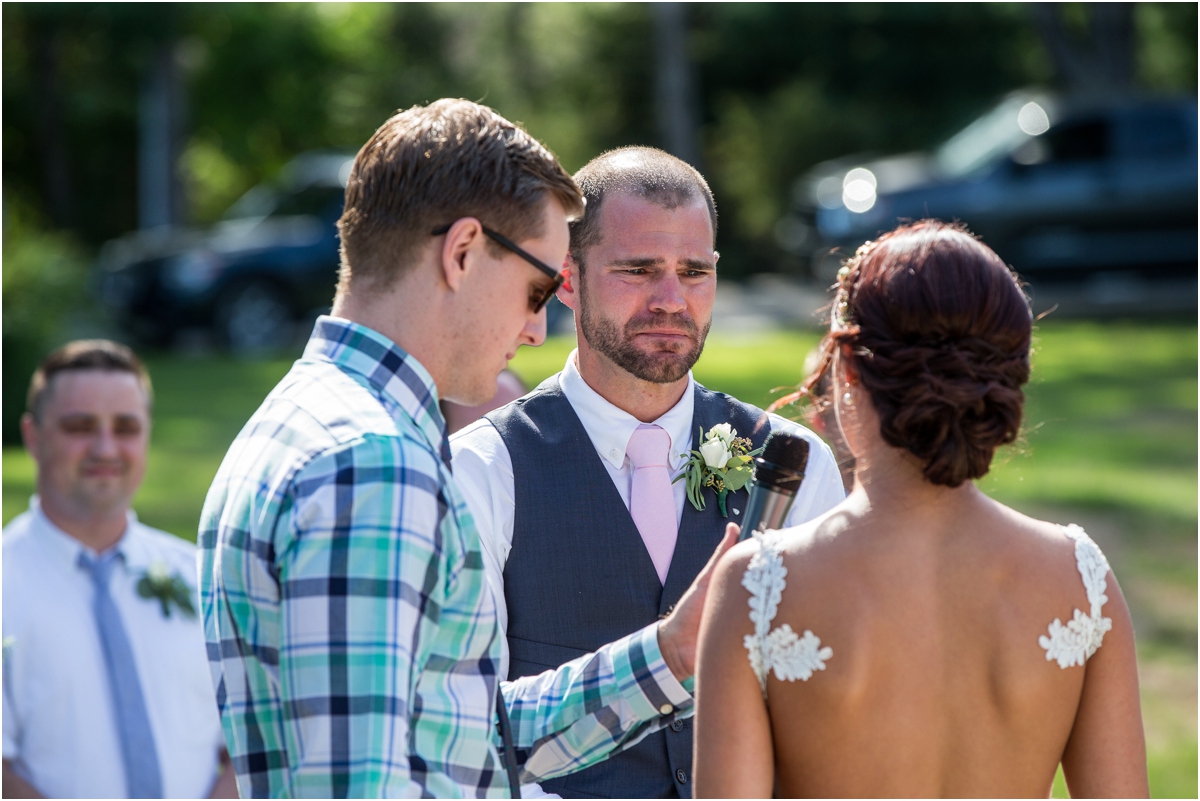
1074 643
790 655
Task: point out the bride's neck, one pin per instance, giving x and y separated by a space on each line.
891 482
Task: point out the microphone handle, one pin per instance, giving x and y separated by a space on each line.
767 508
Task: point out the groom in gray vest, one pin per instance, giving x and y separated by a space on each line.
585 537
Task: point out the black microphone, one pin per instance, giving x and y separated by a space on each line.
777 476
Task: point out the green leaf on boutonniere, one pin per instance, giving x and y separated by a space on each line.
723 463
168 589
736 479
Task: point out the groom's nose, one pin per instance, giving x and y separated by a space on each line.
666 294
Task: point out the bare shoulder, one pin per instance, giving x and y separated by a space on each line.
1039 542
795 542
820 545
1034 565
800 549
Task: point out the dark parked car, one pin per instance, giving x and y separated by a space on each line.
256 279
1064 192
267 266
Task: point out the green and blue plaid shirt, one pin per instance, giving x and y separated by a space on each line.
351 632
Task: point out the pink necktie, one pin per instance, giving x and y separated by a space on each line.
651 499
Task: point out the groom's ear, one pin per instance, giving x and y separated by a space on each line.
568 293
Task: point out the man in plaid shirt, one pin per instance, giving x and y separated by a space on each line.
351 632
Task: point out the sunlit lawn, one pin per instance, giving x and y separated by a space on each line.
1111 434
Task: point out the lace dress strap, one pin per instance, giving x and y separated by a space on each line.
791 656
1074 643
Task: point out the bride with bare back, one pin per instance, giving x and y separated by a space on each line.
920 639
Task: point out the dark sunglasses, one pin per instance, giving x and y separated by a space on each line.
538 296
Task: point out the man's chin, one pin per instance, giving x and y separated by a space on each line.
661 367
476 395
654 358
103 497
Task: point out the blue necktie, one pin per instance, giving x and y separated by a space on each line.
143 778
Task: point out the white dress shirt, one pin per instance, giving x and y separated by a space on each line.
483 470
60 731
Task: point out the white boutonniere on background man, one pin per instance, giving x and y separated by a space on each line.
724 463
168 589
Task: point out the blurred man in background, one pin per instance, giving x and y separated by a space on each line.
106 684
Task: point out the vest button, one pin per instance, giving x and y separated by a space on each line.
677 725
681 776
666 709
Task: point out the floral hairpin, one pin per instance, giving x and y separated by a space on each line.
840 318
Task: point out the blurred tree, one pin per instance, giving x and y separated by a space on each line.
778 87
45 279
1092 46
775 89
788 86
71 76
161 120
56 183
1166 46
675 101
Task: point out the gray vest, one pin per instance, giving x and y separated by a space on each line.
578 575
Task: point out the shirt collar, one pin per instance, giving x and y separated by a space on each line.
391 370
67 549
610 428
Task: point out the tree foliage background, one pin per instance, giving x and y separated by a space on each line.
778 88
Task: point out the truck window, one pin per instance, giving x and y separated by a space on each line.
315 200
1079 141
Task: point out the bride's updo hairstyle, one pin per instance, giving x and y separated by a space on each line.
940 334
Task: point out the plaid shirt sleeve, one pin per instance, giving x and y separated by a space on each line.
595 706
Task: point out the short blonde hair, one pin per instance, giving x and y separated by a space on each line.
84 354
430 165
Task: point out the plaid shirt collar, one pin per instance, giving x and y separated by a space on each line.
388 368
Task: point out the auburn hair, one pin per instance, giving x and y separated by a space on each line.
938 330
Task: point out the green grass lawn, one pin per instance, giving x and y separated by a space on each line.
1110 442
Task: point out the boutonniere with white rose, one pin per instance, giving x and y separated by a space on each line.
169 589
723 463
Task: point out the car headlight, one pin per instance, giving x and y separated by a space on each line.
194 271
858 190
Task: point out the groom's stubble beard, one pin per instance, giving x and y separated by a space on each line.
616 342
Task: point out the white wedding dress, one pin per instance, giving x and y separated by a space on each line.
792 656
